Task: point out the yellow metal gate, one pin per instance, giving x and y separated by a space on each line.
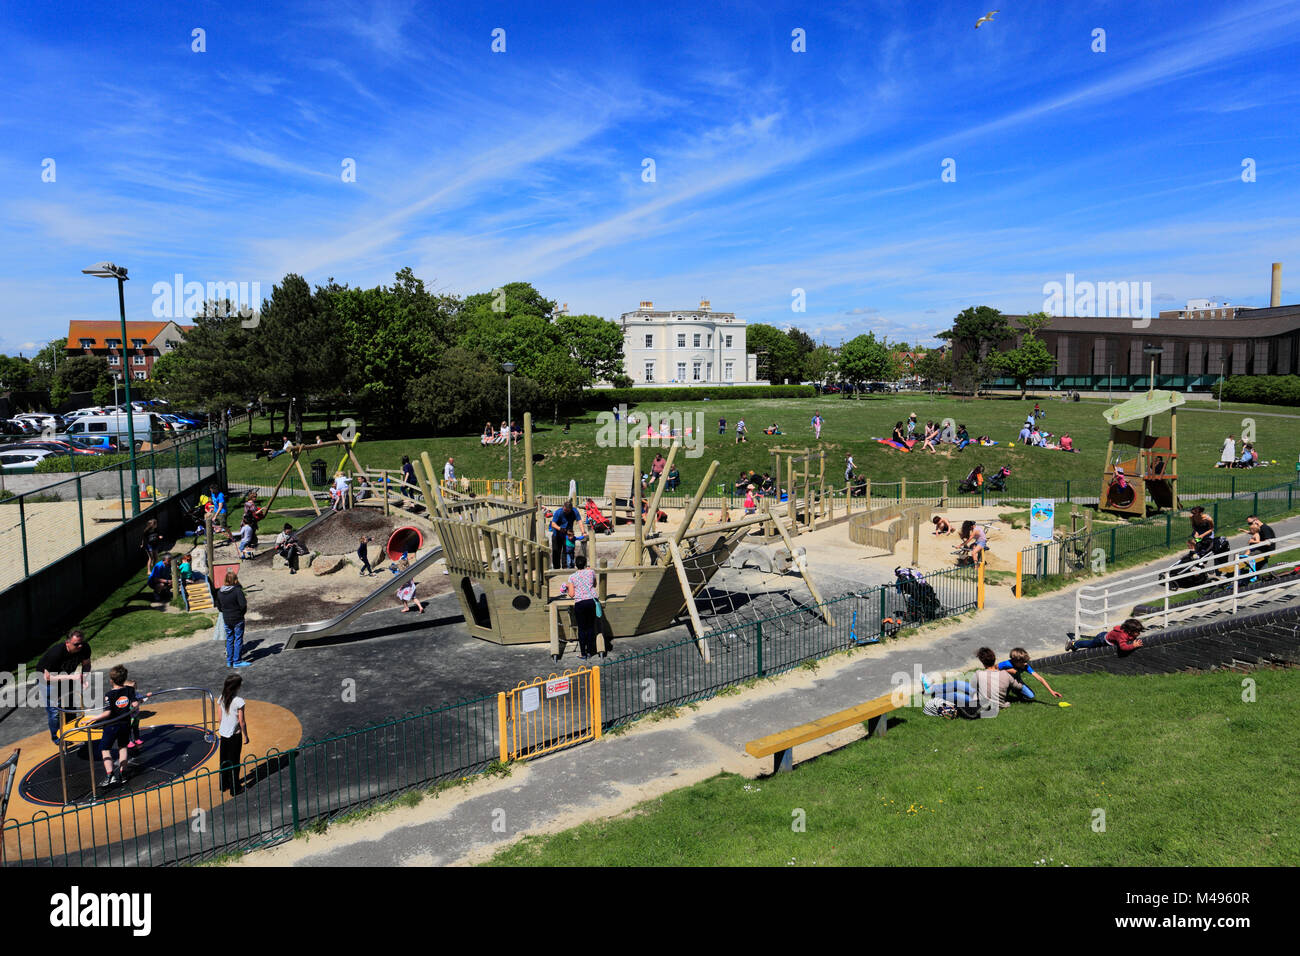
540 716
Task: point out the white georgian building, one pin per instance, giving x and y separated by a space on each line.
686 347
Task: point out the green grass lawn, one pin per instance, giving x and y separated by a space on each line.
1187 774
850 426
127 619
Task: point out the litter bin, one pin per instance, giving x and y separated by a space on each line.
318 473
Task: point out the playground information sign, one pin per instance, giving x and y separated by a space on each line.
557 688
1042 519
530 699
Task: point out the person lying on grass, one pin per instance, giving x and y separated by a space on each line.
1018 664
1123 637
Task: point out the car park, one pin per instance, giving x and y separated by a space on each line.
22 459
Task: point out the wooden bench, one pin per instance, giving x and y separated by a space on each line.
875 713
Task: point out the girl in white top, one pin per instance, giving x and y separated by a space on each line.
233 732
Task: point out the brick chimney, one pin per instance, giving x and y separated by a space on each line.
647 306
704 305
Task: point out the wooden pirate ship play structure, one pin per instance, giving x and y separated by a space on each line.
1151 476
498 554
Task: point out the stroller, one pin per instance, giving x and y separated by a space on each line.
1195 566
598 522
999 481
972 482
922 603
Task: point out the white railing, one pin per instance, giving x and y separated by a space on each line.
1224 581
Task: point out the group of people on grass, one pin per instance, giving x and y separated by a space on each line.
1228 457
995 686
509 433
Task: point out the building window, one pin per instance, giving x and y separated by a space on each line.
137 359
87 344
139 376
115 360
649 371
727 341
708 371
649 340
171 344
681 371
113 343
697 340
681 340
708 341
729 371
137 343
695 371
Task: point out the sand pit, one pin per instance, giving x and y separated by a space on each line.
340 533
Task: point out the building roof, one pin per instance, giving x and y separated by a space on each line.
1257 323
101 332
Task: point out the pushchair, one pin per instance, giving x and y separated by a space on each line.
972 482
922 603
1194 567
598 522
999 481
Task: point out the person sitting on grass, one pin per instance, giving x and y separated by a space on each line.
1123 637
489 436
940 525
1026 432
899 435
1018 664
991 684
931 437
1067 443
773 429
963 437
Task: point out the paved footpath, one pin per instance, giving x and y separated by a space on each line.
608 776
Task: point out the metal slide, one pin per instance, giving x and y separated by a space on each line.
309 634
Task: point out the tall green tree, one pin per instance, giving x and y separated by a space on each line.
300 349
819 365
935 367
1030 359
778 353
81 373
15 372
216 366
863 359
594 343
45 363
979 330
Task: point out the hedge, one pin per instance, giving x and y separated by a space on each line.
60 463
631 396
1262 389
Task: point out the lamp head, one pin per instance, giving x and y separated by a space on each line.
106 270
508 367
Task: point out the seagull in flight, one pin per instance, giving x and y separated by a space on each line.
987 18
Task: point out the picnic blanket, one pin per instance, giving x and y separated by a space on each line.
901 446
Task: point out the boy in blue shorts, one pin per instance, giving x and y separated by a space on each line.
1019 663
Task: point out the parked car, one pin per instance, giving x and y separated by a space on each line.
22 459
52 445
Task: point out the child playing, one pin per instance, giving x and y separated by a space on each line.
750 506
119 702
362 553
406 595
570 545
1019 665
1124 637
186 570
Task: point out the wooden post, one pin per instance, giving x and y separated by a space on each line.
690 599
638 524
311 495
653 509
211 553
807 491
695 502
916 538
902 490
867 501
803 569
528 456
944 499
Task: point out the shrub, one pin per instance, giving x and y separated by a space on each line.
613 396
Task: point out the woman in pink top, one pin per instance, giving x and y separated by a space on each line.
581 586
1067 443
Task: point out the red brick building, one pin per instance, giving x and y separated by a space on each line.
146 342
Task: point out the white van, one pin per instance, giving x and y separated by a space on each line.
148 428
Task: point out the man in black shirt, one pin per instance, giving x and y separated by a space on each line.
1261 535
59 667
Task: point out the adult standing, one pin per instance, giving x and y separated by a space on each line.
449 471
151 543
61 665
408 475
561 521
233 606
581 586
1228 457
233 731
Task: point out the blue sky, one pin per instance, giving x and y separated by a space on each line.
774 170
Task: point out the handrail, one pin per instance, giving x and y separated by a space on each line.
1100 600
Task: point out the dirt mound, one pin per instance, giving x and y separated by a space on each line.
339 533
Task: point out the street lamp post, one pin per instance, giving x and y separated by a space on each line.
107 270
509 369
1151 352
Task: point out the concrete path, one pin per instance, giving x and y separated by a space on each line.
609 776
